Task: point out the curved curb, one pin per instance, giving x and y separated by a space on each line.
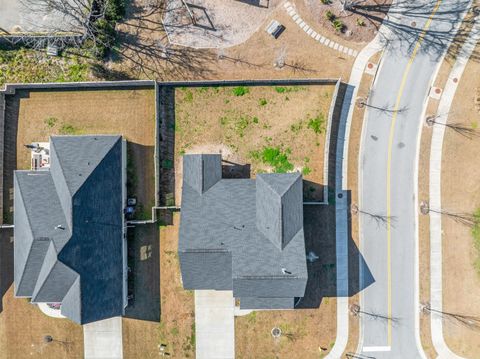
436 300
315 35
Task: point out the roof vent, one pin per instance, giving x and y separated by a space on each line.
285 271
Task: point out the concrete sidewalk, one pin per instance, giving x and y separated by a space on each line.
214 324
103 339
435 192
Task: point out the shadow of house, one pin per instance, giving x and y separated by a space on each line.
144 273
235 170
320 241
6 262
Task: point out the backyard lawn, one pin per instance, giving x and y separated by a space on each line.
273 129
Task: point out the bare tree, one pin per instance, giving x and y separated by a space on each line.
78 21
355 310
466 219
380 219
459 128
468 321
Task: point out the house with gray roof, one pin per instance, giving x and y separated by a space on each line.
69 238
244 235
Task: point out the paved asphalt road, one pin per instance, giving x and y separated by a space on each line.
387 174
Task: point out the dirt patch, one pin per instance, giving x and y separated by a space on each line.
277 129
459 156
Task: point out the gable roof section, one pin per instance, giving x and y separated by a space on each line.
68 228
226 217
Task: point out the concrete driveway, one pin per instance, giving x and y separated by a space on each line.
214 324
103 339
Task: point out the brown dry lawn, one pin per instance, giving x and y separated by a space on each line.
176 329
461 194
215 120
40 114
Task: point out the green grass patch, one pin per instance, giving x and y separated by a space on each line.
262 102
288 89
50 121
476 239
275 157
68 129
317 124
240 91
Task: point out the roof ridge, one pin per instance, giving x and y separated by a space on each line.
30 229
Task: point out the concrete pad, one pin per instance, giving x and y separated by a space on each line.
323 39
309 31
355 53
306 27
295 17
327 42
214 324
340 48
314 34
103 339
345 50
350 52
332 44
318 37
435 92
336 46
287 4
300 22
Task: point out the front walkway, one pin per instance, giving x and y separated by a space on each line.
103 339
214 324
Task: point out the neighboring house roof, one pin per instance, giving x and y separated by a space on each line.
244 235
68 228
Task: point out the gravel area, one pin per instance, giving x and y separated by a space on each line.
218 24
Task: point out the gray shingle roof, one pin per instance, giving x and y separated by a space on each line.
251 230
68 228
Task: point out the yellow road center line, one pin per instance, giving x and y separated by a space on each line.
389 161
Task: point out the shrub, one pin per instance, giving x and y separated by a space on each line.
330 16
360 22
338 25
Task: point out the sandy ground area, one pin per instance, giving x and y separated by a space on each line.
214 24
